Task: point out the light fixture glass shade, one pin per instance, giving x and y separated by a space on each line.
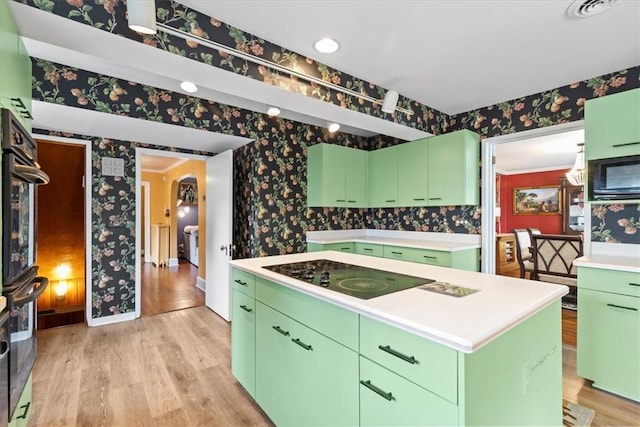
390 101
142 16
576 175
333 127
273 111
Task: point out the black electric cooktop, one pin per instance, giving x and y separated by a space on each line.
353 280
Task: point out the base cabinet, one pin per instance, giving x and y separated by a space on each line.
23 410
243 341
609 332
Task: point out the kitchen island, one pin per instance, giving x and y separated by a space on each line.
313 356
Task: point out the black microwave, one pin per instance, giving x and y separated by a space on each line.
614 179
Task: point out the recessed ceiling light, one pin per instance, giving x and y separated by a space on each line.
189 87
326 45
273 111
333 127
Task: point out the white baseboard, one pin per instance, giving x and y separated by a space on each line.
201 284
173 262
107 320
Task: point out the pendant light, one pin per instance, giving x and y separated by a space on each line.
141 15
576 175
390 101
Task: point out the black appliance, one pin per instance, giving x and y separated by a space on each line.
20 282
614 179
354 280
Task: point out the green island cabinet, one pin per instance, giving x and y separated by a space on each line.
611 125
15 69
467 259
336 176
23 409
317 364
383 177
453 169
609 330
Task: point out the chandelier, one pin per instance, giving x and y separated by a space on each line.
576 175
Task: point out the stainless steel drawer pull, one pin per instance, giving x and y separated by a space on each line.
301 344
245 308
388 349
240 282
377 390
282 331
634 284
622 306
625 145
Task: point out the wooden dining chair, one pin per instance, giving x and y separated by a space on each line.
523 251
553 257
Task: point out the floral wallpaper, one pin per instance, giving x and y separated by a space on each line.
113 224
615 223
110 16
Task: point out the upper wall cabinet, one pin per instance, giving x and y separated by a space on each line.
454 169
611 125
15 69
336 176
413 187
383 177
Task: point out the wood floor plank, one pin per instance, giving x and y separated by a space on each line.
173 369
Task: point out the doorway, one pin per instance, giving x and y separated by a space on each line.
61 236
166 280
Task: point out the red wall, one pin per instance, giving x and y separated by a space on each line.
548 224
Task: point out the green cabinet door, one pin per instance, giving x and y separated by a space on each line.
8 56
24 407
383 177
453 169
303 377
356 177
611 125
387 399
326 175
609 341
341 247
243 340
370 249
412 173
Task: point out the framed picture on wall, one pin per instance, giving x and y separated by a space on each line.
188 193
543 200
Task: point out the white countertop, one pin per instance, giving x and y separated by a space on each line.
609 262
411 239
464 324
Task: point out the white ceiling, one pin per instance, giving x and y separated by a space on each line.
159 164
452 55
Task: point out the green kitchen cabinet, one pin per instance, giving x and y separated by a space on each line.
303 377
336 176
24 407
387 399
400 253
453 169
609 330
383 177
370 249
243 340
467 259
243 282
611 125
413 187
348 247
15 67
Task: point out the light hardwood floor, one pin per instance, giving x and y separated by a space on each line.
173 369
166 289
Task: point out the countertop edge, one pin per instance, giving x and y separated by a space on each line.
438 336
631 265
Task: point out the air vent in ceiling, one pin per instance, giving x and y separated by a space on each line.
587 8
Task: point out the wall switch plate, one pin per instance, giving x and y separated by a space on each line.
112 166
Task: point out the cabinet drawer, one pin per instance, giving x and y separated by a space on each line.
608 341
243 281
387 399
428 256
428 364
335 322
369 249
340 247
619 282
401 253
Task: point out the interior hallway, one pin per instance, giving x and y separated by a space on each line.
166 289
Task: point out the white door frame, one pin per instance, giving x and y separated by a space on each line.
488 193
88 255
139 153
146 187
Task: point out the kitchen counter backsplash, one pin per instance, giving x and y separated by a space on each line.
615 223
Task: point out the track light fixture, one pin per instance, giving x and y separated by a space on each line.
142 16
390 101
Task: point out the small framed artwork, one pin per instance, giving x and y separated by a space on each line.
188 193
543 200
